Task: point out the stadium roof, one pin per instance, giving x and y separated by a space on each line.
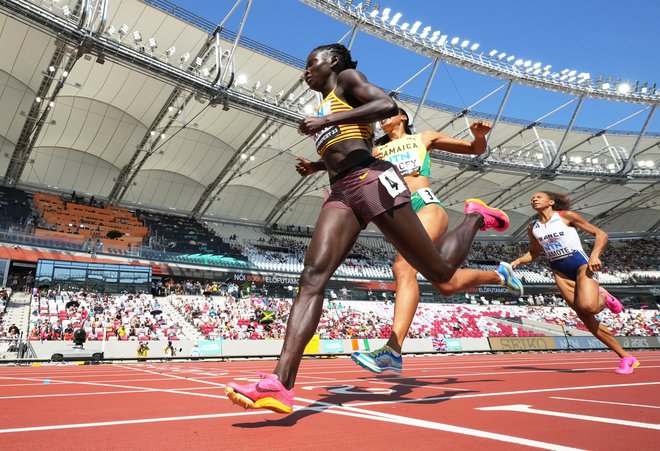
147 126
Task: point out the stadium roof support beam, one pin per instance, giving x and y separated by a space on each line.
396 91
500 110
556 160
603 131
298 190
151 141
47 92
465 111
534 123
232 168
628 165
426 91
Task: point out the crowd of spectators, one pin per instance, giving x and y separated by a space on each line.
55 316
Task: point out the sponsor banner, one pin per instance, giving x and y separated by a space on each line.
639 342
208 347
332 346
313 345
454 344
238 277
381 286
520 343
578 343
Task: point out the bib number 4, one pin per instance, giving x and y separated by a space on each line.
392 182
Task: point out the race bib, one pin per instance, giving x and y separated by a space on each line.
392 182
427 196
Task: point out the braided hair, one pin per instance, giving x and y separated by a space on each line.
341 52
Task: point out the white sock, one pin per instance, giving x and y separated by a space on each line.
394 353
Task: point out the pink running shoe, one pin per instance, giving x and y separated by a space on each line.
268 393
627 365
612 303
494 218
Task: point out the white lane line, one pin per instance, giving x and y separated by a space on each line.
176 376
323 407
455 375
123 422
117 392
611 421
506 393
397 419
130 387
606 402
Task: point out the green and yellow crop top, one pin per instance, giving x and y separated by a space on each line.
408 154
336 133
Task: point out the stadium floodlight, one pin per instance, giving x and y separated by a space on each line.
241 79
572 73
571 79
454 41
527 63
474 47
537 71
37 99
205 72
435 36
163 136
536 65
373 13
425 32
501 56
123 30
386 14
152 43
611 166
137 37
51 69
404 27
442 40
563 77
268 89
51 104
251 157
415 27
624 87
170 51
65 73
199 61
565 71
66 11
185 57
650 163
518 63
110 31
547 67
510 58
256 85
244 156
465 43
644 89
492 53
395 19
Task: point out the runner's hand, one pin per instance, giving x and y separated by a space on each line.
312 124
480 129
594 264
304 167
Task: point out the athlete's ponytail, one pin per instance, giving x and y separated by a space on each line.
562 201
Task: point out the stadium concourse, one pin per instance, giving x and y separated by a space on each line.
151 220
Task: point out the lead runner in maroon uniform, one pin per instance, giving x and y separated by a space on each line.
364 189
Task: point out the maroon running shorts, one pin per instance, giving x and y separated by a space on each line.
368 189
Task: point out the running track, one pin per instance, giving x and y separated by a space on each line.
552 401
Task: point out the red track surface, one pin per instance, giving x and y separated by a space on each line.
559 401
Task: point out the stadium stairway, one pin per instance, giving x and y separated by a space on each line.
189 331
18 312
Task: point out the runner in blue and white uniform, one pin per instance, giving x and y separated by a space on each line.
555 234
